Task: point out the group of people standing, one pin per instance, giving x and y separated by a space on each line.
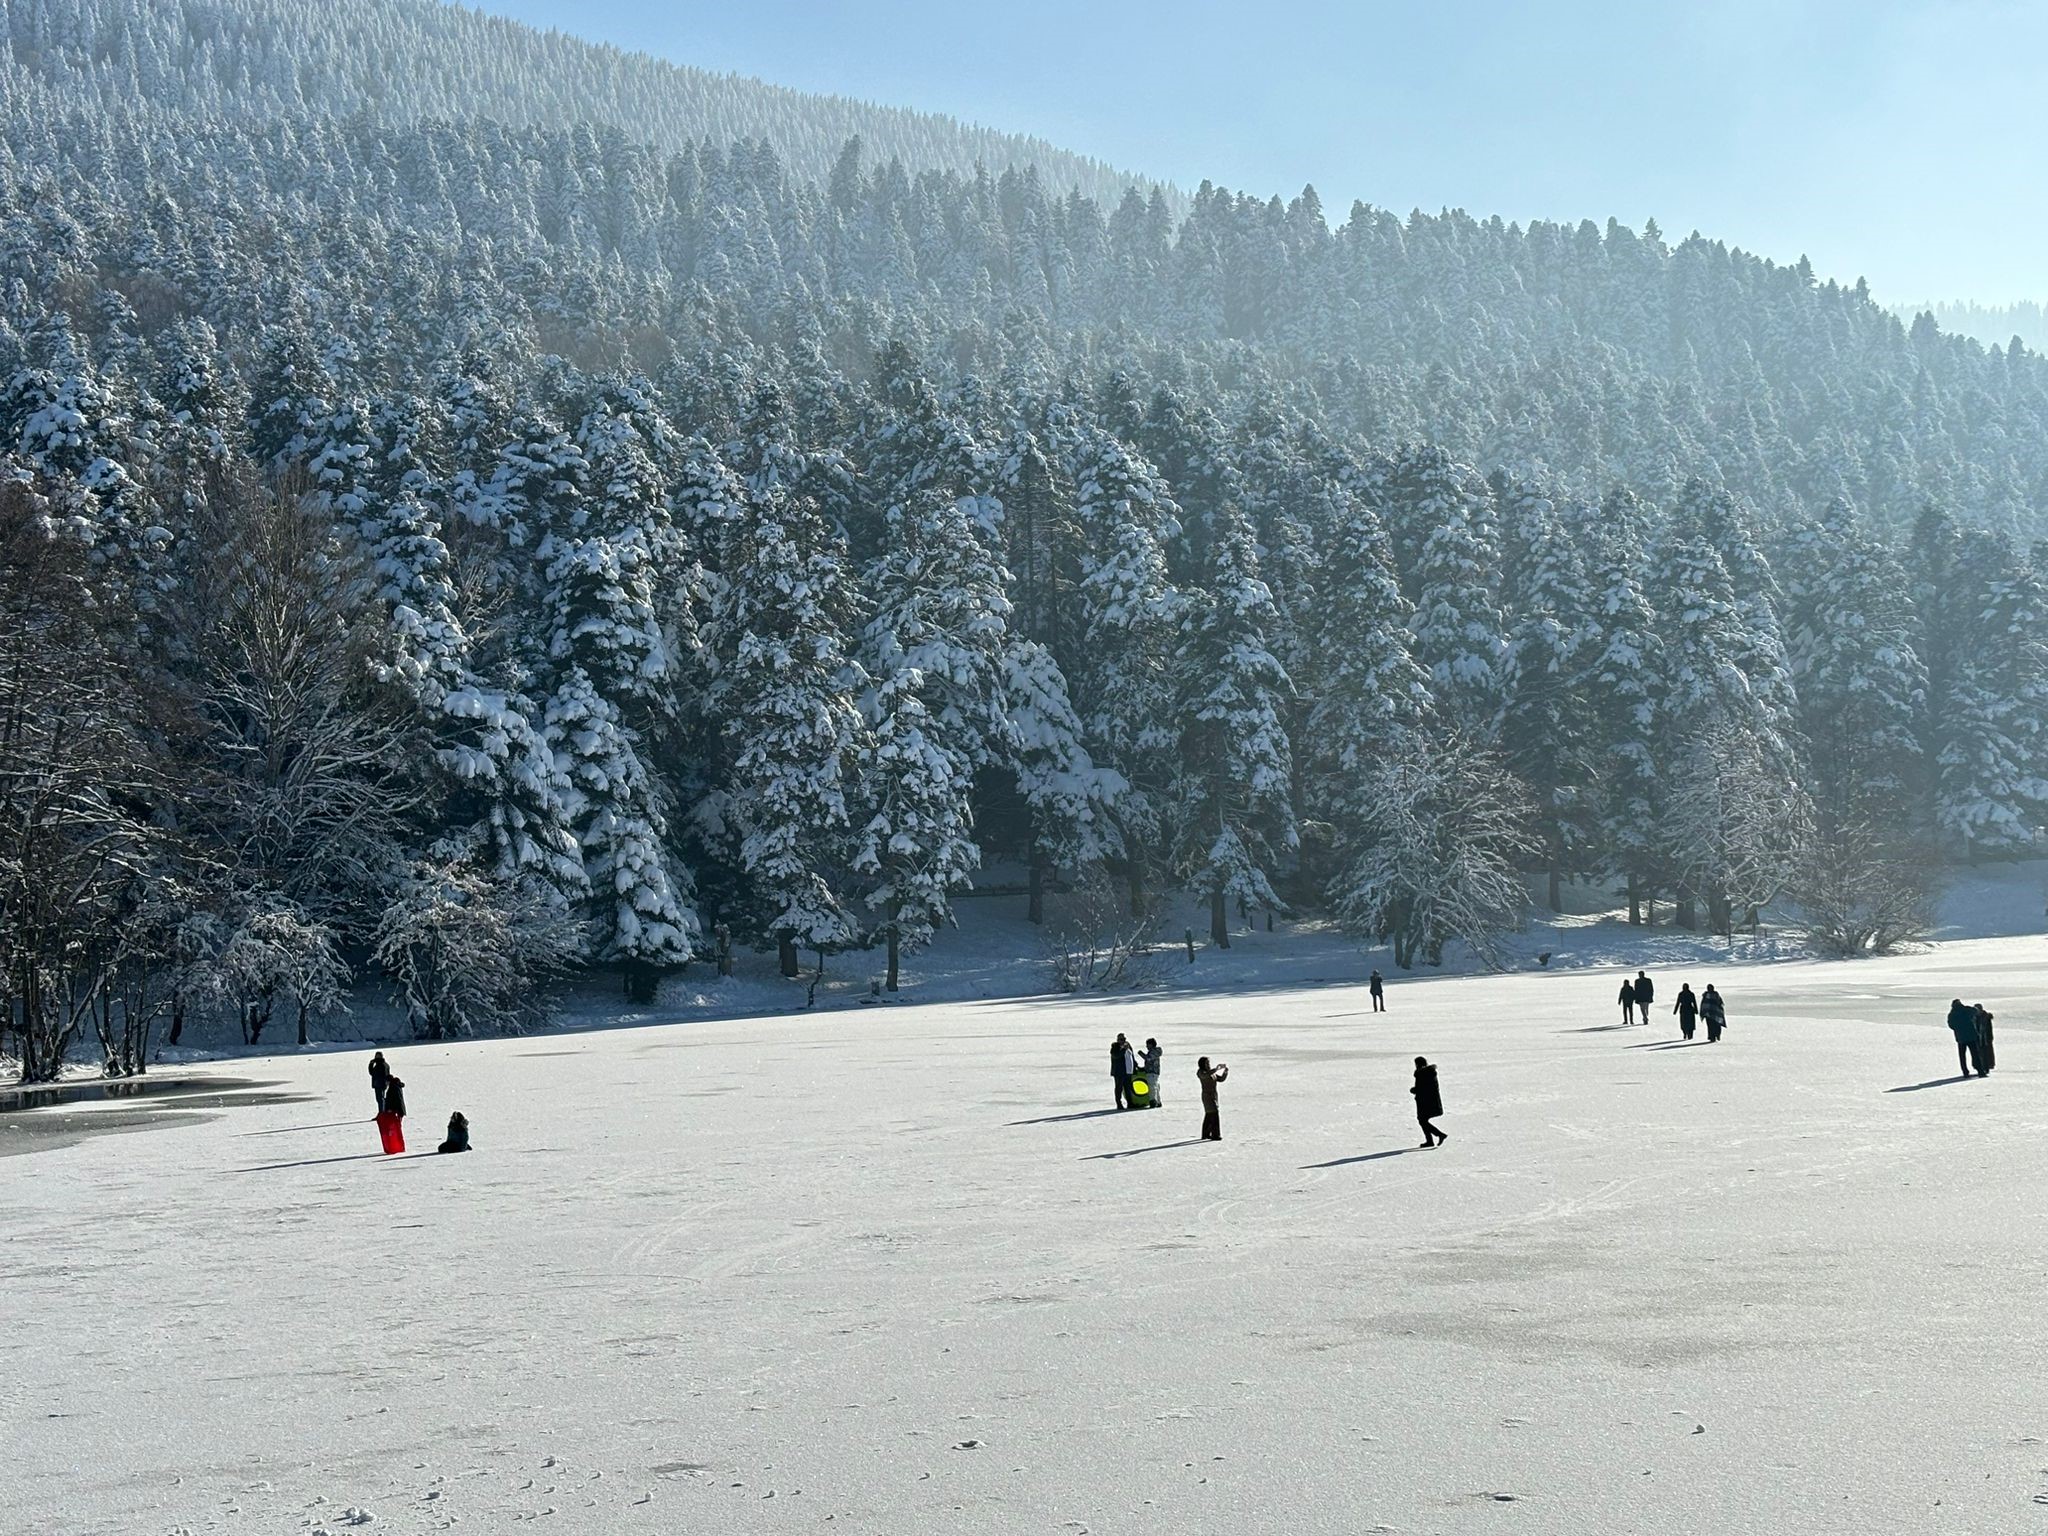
1970 1023
389 1090
1639 993
1135 1078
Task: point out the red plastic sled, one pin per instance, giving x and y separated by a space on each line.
392 1129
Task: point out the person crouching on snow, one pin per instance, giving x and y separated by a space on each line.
458 1134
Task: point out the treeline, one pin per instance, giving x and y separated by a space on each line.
470 686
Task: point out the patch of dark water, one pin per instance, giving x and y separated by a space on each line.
35 1119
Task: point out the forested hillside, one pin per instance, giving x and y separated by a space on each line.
447 540
1994 324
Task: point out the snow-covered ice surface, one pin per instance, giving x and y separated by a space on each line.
898 1271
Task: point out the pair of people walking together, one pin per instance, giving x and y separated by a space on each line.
1707 1005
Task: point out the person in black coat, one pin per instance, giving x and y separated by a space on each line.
1628 1002
1962 1023
1687 1008
1646 994
380 1074
1377 985
1429 1102
1121 1062
394 1098
1212 1112
1715 1012
1981 1055
458 1134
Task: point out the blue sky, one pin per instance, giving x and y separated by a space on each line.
1902 140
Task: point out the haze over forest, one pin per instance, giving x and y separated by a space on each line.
706 506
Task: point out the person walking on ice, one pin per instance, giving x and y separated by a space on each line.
1429 1103
1212 1113
1646 994
1715 1012
1982 1056
1962 1023
1687 1008
1377 985
1628 1002
380 1074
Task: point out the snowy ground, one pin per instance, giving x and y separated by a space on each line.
898 1272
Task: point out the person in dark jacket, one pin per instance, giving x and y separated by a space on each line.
380 1074
1155 1058
1715 1012
1429 1102
1628 1002
1962 1023
458 1134
1646 994
1212 1112
1980 1052
1122 1063
1377 985
1687 1008
391 1118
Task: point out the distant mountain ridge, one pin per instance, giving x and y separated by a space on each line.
407 60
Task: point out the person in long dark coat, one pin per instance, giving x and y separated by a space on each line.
1981 1055
1646 994
1377 985
1155 1058
1429 1103
1962 1023
391 1118
1120 1071
1687 1008
458 1134
1212 1112
1628 1002
380 1074
1715 1012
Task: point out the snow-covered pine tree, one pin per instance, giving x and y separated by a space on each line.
621 586
1548 732
1991 792
784 702
1129 619
1728 524
937 709
1234 810
1072 802
1457 630
1862 689
1365 690
1729 824
1623 683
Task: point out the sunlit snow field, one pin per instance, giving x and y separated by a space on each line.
903 1271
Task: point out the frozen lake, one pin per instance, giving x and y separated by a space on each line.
903 1271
